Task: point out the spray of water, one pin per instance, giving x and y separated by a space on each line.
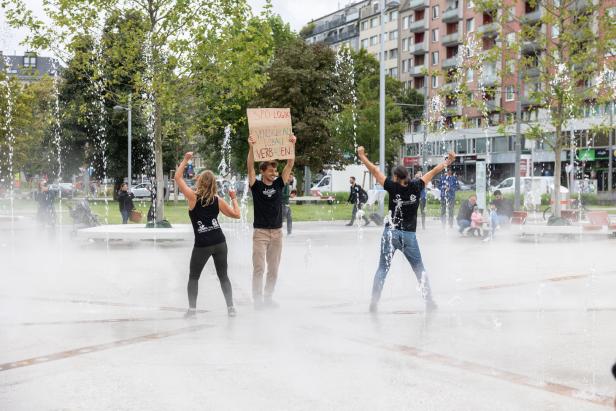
7 126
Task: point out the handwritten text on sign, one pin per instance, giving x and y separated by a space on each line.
272 129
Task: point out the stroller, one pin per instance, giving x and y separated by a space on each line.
82 215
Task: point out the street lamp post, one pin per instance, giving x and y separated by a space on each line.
383 4
130 150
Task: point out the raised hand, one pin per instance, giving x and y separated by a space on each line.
232 193
252 140
361 151
451 157
292 139
188 156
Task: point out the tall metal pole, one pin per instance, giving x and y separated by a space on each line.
518 141
424 150
610 152
130 137
382 101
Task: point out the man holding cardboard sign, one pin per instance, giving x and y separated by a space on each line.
270 138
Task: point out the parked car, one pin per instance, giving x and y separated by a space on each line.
141 190
545 185
66 189
462 186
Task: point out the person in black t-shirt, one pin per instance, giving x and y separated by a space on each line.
204 205
267 235
358 197
399 234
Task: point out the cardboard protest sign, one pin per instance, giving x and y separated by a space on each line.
272 129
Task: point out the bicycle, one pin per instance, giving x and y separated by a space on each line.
576 212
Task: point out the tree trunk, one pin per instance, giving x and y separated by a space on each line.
158 159
557 170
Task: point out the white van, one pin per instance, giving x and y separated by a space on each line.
545 185
338 180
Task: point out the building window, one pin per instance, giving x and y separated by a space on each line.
364 43
405 66
510 39
364 25
509 94
555 31
374 40
434 35
470 25
470 4
470 75
393 54
393 16
405 22
434 82
435 12
434 58
393 35
30 60
393 72
374 22
405 44
511 13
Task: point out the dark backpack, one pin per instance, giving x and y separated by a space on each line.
363 196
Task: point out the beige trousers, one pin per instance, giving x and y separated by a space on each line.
266 248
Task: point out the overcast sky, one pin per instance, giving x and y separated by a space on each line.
295 12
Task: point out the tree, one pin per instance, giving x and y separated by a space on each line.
175 33
559 51
301 77
29 124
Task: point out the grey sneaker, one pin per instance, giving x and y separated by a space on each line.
191 313
373 307
231 311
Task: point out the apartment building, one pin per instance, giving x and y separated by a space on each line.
337 29
422 46
370 34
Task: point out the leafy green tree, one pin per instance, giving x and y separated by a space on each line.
301 77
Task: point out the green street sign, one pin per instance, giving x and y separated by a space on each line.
587 154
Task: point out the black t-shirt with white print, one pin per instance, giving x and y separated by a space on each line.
204 219
403 203
267 201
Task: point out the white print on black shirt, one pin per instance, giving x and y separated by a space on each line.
203 229
399 202
269 192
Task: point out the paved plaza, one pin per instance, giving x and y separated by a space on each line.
99 326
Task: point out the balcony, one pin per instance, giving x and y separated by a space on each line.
345 35
418 4
489 79
528 100
532 72
452 15
417 71
419 48
419 26
489 30
450 62
493 105
532 17
451 39
530 46
450 86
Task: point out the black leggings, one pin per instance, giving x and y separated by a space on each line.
200 256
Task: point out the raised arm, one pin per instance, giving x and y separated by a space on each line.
250 161
189 194
288 168
430 174
374 170
232 211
